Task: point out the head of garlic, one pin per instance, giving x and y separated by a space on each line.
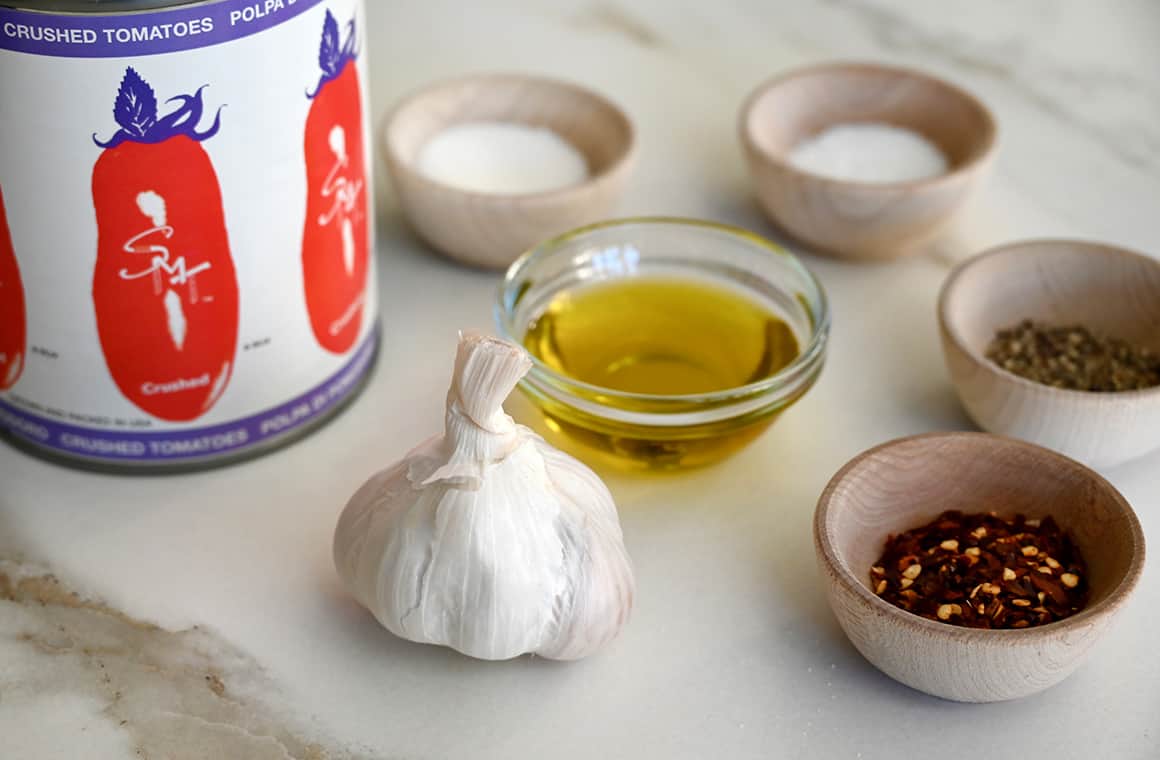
485 538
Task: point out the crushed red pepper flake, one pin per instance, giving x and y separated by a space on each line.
983 571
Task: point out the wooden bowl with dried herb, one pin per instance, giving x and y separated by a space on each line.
1058 342
974 567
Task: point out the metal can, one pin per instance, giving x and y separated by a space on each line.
186 231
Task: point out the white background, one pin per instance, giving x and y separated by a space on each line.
731 652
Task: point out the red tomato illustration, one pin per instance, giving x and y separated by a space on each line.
12 326
334 238
164 287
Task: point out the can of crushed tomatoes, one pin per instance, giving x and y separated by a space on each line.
186 269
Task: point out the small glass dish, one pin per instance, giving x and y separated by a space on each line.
651 431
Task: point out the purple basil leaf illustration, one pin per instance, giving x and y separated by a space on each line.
136 113
330 51
136 106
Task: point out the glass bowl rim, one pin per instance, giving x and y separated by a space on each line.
810 355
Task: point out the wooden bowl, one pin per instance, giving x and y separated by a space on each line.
906 483
862 220
1112 291
491 230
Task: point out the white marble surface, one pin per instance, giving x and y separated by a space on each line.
731 651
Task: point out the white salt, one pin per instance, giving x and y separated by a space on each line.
869 152
502 158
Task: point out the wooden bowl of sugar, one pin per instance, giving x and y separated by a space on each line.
905 483
1111 292
863 161
487 166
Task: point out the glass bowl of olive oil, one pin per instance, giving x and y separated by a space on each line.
662 343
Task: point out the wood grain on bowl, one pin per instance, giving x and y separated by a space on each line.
491 230
906 483
1112 291
858 220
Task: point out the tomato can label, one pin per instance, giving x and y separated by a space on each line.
186 269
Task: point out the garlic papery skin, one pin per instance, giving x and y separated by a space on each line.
486 539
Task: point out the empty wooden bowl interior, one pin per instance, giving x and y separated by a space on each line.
801 104
1111 291
907 483
592 124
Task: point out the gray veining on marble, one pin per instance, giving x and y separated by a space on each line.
76 666
1064 91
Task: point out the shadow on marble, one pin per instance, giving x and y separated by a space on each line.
939 402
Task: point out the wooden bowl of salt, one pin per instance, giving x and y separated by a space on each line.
863 161
485 167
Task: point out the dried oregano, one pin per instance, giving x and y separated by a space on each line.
1073 358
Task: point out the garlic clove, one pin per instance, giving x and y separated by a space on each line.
602 593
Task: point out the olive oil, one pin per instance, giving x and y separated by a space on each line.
661 337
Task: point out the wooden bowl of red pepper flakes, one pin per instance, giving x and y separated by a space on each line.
901 491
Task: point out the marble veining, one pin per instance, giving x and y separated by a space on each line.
615 19
1061 90
136 689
